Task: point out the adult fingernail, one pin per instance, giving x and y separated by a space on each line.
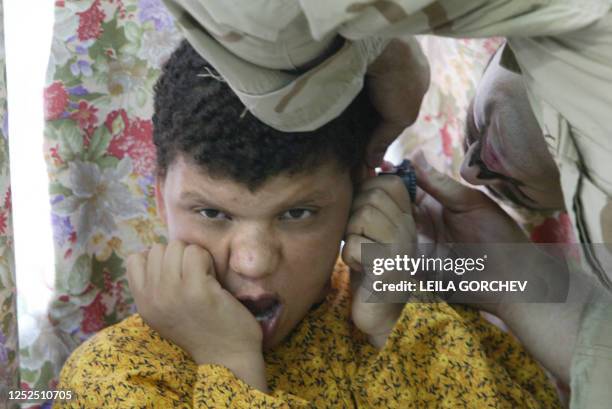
420 160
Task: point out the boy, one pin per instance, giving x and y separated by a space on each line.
244 307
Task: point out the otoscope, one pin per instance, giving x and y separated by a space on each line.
406 172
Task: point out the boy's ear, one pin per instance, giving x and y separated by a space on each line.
361 173
159 197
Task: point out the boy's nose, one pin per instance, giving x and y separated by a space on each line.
254 254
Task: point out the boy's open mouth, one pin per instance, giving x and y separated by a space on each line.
262 308
266 309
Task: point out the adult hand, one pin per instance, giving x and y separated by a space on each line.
450 212
381 213
178 295
397 82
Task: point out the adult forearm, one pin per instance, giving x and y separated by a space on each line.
548 325
548 331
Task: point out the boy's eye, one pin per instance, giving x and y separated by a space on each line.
297 214
213 214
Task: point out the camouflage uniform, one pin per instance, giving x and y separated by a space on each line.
291 65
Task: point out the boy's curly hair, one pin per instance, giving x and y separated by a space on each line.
201 118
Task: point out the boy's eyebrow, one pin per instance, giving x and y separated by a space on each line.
314 196
318 196
189 195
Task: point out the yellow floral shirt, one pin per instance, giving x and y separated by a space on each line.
437 356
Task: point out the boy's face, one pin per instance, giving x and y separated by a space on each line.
273 249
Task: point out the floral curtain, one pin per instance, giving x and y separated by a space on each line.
9 363
106 56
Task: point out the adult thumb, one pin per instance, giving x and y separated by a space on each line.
449 192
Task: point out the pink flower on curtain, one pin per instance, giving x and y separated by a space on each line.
90 22
93 316
134 140
116 122
447 141
3 220
8 201
57 159
491 44
56 100
85 116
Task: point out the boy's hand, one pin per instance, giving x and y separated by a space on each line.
178 295
381 213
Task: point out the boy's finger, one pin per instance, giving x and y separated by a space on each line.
154 265
351 252
370 223
356 284
136 272
172 265
381 200
395 188
197 266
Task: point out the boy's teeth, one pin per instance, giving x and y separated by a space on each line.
264 315
262 309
